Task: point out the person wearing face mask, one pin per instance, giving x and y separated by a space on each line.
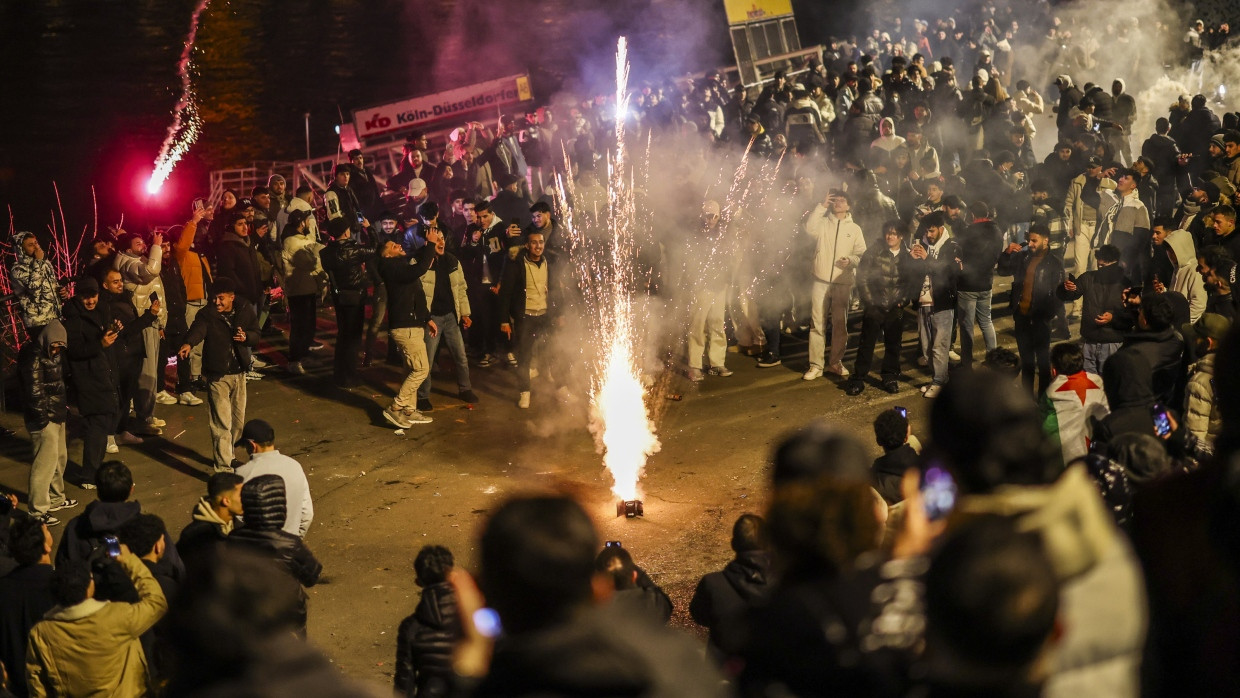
34 284
41 366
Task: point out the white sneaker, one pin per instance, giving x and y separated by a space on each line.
838 369
253 376
112 447
533 373
189 399
953 356
512 359
695 375
163 397
721 371
295 368
416 417
155 422
523 401
932 391
813 373
257 363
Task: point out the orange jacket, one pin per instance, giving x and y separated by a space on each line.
195 270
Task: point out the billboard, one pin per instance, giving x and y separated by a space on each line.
414 112
741 11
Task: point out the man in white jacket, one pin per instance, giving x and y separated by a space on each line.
838 247
1178 246
302 201
259 438
139 268
304 281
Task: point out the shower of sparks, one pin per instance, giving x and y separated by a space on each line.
619 419
185 122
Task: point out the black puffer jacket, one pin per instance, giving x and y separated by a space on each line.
885 280
723 598
263 501
347 263
44 397
424 644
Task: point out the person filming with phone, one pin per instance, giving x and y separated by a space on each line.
84 646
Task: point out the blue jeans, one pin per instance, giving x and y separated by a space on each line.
970 306
1097 353
450 333
937 327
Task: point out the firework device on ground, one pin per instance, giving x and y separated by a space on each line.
630 509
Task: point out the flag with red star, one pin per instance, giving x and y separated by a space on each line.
1068 405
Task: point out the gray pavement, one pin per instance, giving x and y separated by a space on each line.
379 496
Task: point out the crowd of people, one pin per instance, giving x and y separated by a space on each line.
1038 543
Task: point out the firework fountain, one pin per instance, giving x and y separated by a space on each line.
620 420
185 122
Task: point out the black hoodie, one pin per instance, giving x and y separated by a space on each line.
1126 379
722 598
84 537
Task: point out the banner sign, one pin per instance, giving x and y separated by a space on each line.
410 113
742 11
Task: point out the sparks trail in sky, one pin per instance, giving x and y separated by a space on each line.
185 122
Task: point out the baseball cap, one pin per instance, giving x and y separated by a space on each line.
256 430
1208 326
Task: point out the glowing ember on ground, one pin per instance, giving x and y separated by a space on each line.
185 122
619 418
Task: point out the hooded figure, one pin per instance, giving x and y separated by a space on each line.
34 284
1127 381
1186 281
41 365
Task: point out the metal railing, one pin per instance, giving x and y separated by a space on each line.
243 179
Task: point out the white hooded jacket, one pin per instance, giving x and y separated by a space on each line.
1187 281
